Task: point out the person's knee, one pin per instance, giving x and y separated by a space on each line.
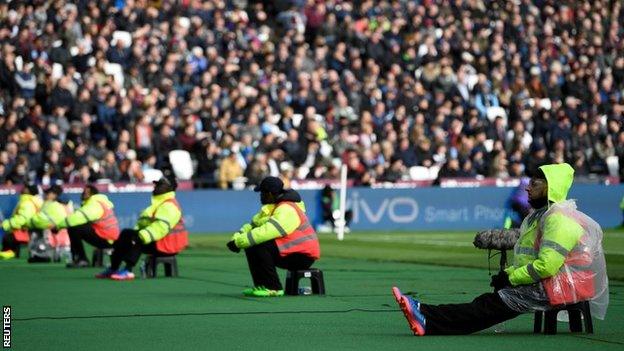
267 246
127 231
125 236
251 251
73 232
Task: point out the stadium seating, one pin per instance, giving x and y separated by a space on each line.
613 164
152 175
148 90
182 164
423 173
419 173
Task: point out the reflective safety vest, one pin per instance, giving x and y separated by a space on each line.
61 238
302 240
22 235
107 227
575 280
177 239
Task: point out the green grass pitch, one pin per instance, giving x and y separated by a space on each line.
56 308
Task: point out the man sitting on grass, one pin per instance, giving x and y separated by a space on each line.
558 260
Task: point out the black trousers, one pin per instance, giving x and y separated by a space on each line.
466 318
328 215
9 243
128 248
263 258
84 232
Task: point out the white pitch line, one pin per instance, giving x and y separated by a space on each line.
411 240
614 253
391 238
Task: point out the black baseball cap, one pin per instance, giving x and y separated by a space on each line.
168 178
271 185
56 189
33 189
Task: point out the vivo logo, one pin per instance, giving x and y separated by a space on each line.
398 209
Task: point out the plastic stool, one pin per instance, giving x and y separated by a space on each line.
574 313
97 259
151 265
316 280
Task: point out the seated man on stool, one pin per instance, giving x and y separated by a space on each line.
280 235
558 260
51 212
15 228
94 222
159 231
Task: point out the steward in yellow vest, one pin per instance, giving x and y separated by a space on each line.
94 222
16 227
44 246
279 235
159 231
558 260
51 212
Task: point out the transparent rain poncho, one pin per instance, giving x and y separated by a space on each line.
582 277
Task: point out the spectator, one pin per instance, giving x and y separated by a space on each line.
451 169
164 142
229 170
109 167
34 155
485 99
406 153
306 82
131 170
26 81
395 172
98 150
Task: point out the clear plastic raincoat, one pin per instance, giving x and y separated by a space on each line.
558 258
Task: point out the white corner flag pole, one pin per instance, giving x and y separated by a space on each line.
343 202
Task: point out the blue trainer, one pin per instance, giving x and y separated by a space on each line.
106 274
123 274
411 310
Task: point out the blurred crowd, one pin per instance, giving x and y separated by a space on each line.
104 90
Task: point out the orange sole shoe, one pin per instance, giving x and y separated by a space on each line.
416 325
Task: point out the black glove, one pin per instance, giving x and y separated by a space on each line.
232 246
500 281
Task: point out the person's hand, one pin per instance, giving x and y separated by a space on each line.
500 281
241 240
232 246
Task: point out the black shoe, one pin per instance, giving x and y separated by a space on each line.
78 264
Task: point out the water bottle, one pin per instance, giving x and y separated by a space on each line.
65 254
564 317
143 271
305 290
